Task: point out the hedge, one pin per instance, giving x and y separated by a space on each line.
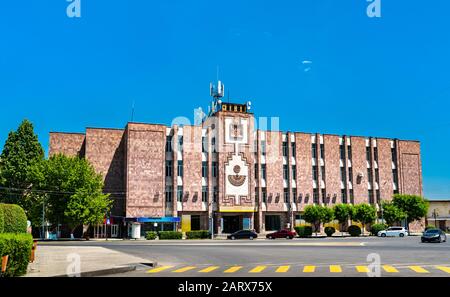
170 235
151 235
18 248
329 231
15 219
303 231
200 234
2 220
377 228
354 230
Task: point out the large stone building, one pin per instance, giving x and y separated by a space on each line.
227 172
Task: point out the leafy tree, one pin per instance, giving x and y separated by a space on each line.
327 214
21 150
365 214
316 214
342 214
415 207
391 213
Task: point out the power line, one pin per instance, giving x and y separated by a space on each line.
52 192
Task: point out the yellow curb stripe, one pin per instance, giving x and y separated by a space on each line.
282 269
309 269
389 268
258 269
233 269
159 269
363 269
418 269
443 268
209 269
184 269
335 268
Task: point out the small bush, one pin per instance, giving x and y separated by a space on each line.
2 220
170 235
329 231
201 234
303 231
18 248
377 228
151 235
354 230
15 219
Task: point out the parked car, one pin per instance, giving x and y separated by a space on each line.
431 235
243 234
281 234
393 232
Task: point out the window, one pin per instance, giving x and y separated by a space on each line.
316 196
204 169
350 174
375 154
264 194
169 194
377 175
322 171
368 154
315 173
263 171
314 150
180 168
168 168
180 143
293 149
342 151
378 196
213 145
294 172
285 172
352 197
322 151
214 169
395 176
180 193
256 196
324 195
294 195
344 196
215 194
203 144
343 176
204 194
285 149
169 144
394 155
371 201
255 146
369 175
349 149
286 195
256 170
263 147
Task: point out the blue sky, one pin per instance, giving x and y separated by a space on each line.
386 77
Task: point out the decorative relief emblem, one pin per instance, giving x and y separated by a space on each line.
236 130
236 179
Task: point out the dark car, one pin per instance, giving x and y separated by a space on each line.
281 234
431 235
243 234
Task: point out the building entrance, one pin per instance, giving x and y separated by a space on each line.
231 224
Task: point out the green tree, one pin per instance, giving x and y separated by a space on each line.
313 215
21 151
415 207
365 214
391 213
327 214
342 214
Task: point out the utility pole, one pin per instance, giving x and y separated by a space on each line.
43 218
435 215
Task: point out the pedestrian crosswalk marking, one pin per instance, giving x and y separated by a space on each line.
443 268
258 269
282 269
184 269
335 268
209 269
233 269
159 269
418 269
309 269
362 269
389 268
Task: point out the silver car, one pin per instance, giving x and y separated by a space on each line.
393 232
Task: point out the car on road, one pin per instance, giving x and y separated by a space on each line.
281 234
243 234
431 235
393 232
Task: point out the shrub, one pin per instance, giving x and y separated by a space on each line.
170 235
201 234
15 219
2 220
354 230
151 235
18 248
303 231
329 231
377 228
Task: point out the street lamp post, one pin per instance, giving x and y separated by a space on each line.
435 215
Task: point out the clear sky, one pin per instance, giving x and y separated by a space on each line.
386 77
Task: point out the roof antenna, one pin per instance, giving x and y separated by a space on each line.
132 111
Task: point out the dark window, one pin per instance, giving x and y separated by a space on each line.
264 194
256 195
322 169
204 169
349 149
375 153
195 222
180 168
285 149
394 155
371 201
285 172
324 195
322 151
344 196
214 169
180 193
286 195
315 173
255 146
294 172
203 144
350 174
395 176
215 194
168 168
342 151
204 194
263 147
369 175
378 196
293 149
256 171
169 194
343 176
316 196
169 144
213 145
377 175
368 155
263 171
180 143
314 150
352 197
294 195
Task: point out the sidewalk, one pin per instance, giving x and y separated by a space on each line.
93 261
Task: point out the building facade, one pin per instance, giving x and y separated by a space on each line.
227 175
439 214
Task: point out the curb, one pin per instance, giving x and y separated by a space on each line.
109 271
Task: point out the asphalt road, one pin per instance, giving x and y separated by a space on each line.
281 257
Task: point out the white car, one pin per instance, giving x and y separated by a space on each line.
393 232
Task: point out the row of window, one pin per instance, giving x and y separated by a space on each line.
169 171
205 194
169 139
